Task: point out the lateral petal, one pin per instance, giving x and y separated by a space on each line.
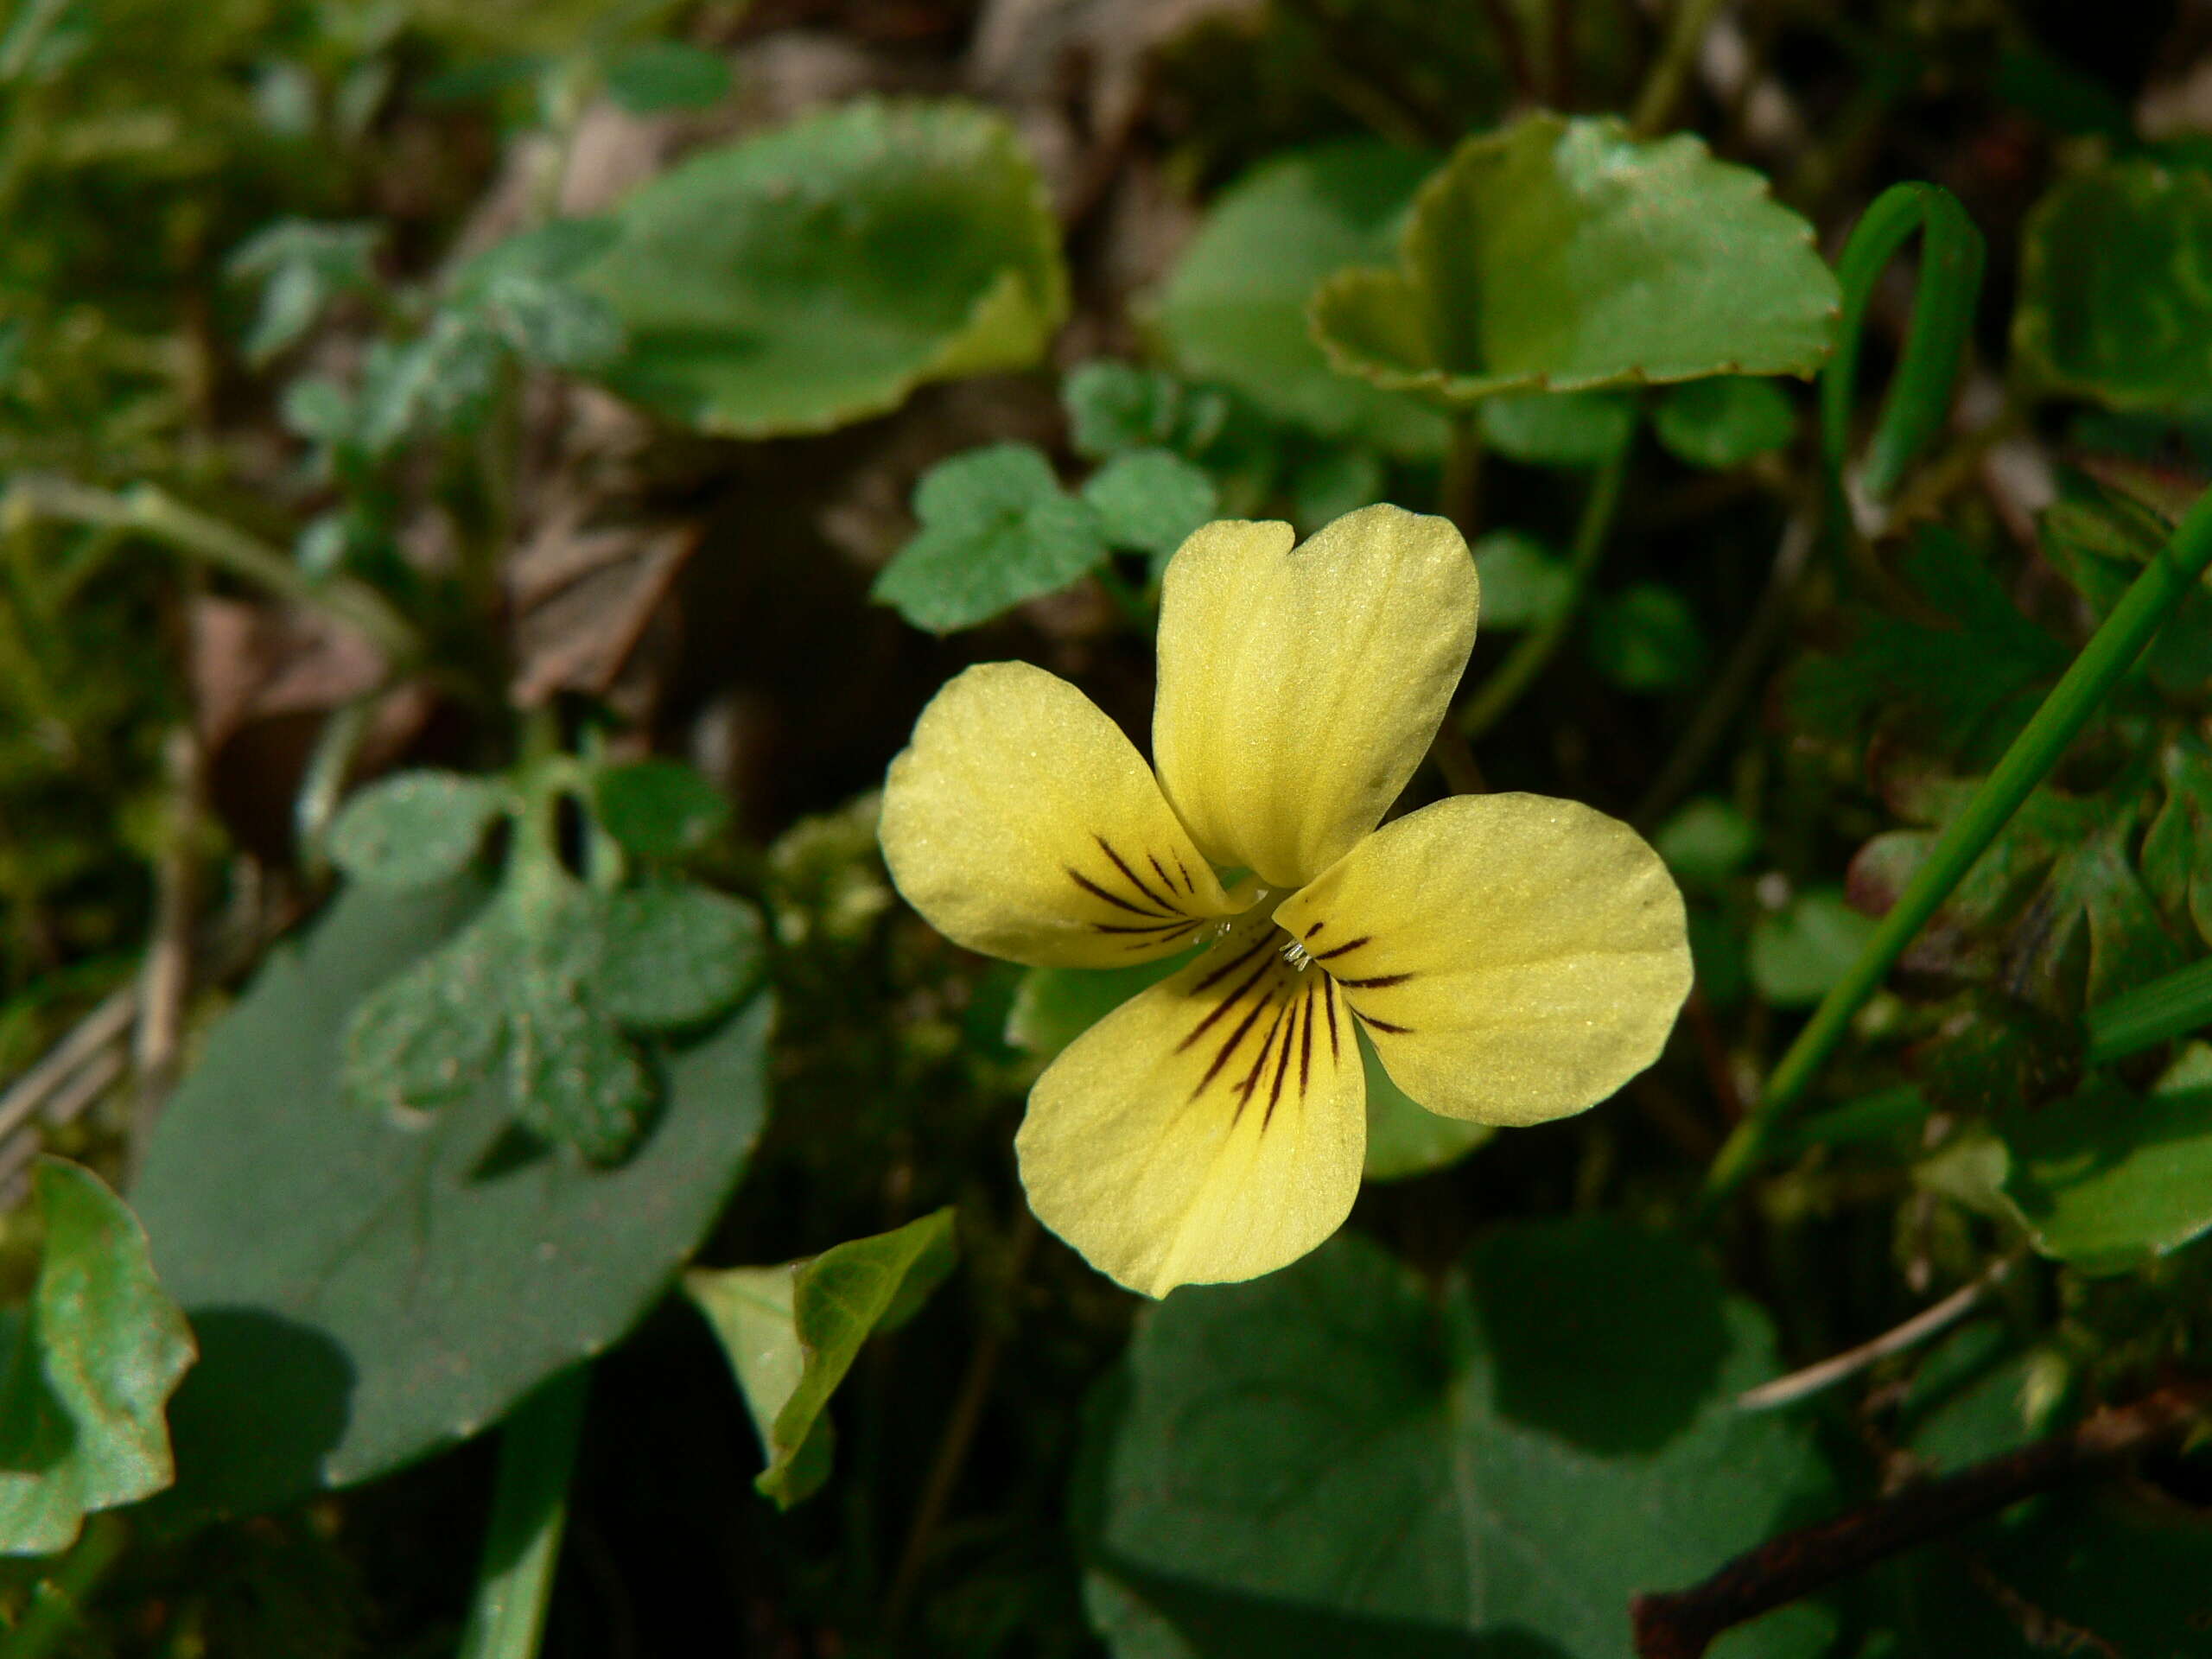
1210 1129
1514 957
1022 823
1299 687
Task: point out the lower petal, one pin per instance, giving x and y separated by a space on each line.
1514 958
1209 1129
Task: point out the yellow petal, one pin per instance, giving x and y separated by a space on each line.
1022 823
1298 688
1514 957
1210 1129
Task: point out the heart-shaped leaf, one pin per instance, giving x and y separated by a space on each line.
1558 255
365 1294
1233 308
996 529
414 830
804 278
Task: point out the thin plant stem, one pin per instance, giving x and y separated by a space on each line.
2170 576
1527 660
1662 87
152 513
56 1608
1459 496
530 1510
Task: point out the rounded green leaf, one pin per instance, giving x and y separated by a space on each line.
1405 1138
1800 951
432 1032
1340 1447
1233 309
997 529
365 1294
1560 254
1560 429
661 808
2113 302
664 76
1723 421
414 830
1525 583
1150 499
802 279
573 1078
1646 639
671 954
85 1371
1706 841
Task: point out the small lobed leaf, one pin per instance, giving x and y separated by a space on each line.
804 278
2113 303
792 1332
85 1371
1524 582
414 830
657 808
1800 951
573 1078
1646 637
1150 501
1560 429
1116 407
1564 255
1723 421
431 1033
1233 309
671 954
997 529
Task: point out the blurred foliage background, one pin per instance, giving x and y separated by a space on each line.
488 488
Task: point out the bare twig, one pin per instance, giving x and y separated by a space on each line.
1786 1391
91 1037
166 981
1682 1624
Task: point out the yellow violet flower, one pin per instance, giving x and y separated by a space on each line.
1511 957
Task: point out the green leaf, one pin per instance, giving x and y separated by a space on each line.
1511 1456
2177 849
1706 841
662 76
996 529
807 277
1558 255
2113 303
1338 480
1405 1138
302 267
2107 1179
524 291
572 1077
1054 1005
1646 637
432 1033
1524 582
1150 499
1113 407
364 1294
415 829
672 954
657 808
1233 309
1800 951
1723 421
1560 429
86 1370
792 1332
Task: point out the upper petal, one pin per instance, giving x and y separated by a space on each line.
1299 687
1210 1129
1022 823
1514 957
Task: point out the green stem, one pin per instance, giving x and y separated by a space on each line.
1459 496
2165 582
1527 660
530 1508
1662 87
56 1608
151 512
